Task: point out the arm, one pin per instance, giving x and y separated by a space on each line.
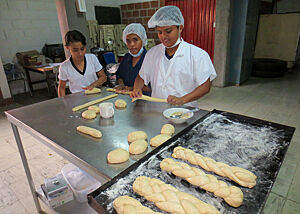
62 88
194 95
102 79
137 87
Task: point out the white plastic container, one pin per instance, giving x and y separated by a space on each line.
80 182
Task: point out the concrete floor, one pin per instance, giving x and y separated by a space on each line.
276 100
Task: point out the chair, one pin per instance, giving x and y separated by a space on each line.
56 80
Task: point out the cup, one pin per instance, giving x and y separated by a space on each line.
106 110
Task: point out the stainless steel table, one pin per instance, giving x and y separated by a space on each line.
54 124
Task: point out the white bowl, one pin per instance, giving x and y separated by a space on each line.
168 112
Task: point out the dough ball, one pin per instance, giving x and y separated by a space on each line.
137 135
96 109
138 147
159 139
89 114
168 129
93 91
118 156
89 131
120 104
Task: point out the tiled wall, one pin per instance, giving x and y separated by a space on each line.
141 13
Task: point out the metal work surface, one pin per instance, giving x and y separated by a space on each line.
54 124
253 144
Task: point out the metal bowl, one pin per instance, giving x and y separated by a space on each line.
168 112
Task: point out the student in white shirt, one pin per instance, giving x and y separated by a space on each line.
82 70
178 71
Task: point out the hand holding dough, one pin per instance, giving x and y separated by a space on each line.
239 175
89 131
195 176
137 135
168 129
94 108
138 147
93 91
89 114
170 199
159 139
120 104
117 156
129 205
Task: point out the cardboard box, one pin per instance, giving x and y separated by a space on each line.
32 57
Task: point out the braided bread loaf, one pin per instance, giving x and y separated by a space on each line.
232 195
170 199
128 205
239 175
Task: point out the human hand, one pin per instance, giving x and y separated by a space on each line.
136 93
175 100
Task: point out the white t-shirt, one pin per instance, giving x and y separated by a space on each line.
189 68
78 80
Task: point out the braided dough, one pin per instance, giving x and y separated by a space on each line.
159 139
129 205
138 147
168 129
89 131
89 114
77 108
93 91
94 108
239 175
117 156
232 195
136 135
170 199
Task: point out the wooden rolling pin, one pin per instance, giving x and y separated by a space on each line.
77 108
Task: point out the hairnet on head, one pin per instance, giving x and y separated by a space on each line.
135 28
166 16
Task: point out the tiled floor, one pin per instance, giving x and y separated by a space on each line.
276 100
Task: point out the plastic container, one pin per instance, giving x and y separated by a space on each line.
80 182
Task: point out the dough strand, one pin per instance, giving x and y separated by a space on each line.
239 175
195 176
151 99
77 108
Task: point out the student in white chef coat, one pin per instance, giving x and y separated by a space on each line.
178 71
82 70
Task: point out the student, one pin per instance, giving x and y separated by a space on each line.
178 71
135 37
82 70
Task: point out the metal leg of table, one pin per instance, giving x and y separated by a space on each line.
26 167
29 81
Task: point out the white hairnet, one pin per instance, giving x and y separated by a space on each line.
135 28
166 16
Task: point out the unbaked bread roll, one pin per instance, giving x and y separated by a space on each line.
239 175
129 205
120 104
94 108
93 91
170 199
138 147
89 131
89 114
117 156
159 139
136 135
168 129
195 176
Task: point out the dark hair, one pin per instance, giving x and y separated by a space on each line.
74 36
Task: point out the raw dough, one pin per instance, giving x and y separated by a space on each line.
239 175
138 147
89 114
195 176
93 91
89 131
151 99
117 156
77 108
94 108
170 199
168 129
159 139
120 104
136 135
128 205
